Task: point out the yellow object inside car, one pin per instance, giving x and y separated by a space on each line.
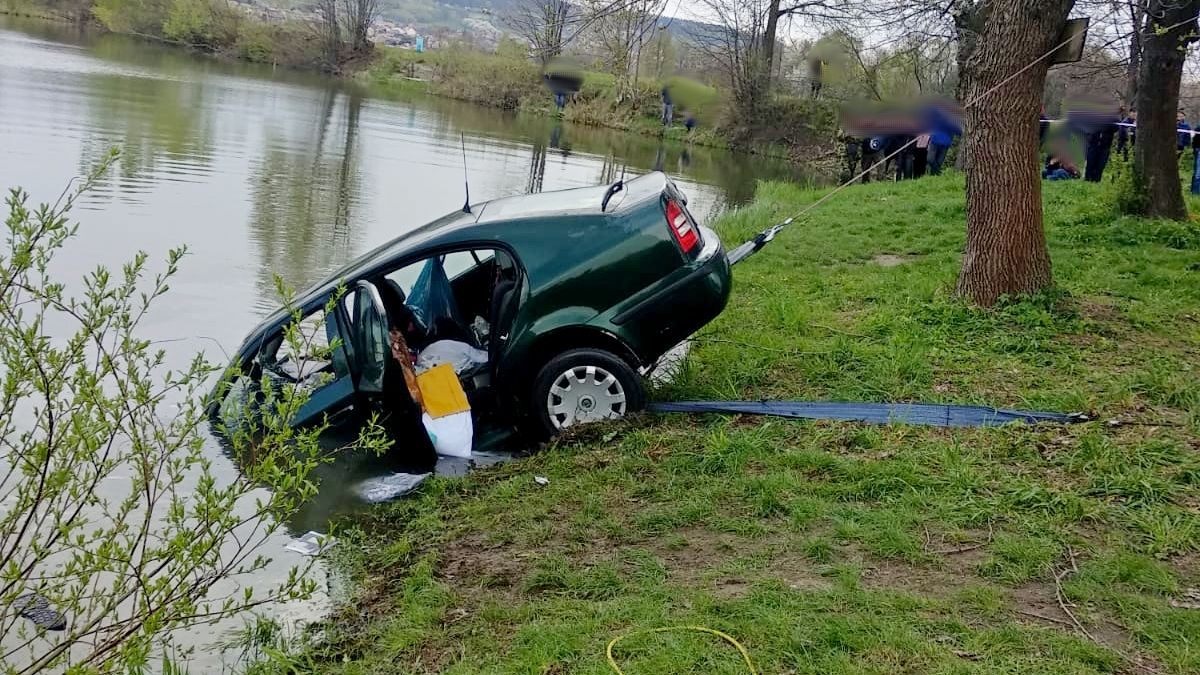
442 392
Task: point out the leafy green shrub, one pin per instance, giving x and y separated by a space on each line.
201 23
289 43
114 512
791 121
132 16
1131 196
486 79
255 42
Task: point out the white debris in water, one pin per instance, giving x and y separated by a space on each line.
391 486
311 543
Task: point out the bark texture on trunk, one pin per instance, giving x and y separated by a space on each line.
968 25
1137 16
768 47
1006 245
1156 163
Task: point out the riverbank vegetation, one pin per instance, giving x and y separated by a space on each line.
224 29
508 79
836 547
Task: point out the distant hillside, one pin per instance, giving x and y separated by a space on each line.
451 14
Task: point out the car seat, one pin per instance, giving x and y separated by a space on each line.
503 305
400 315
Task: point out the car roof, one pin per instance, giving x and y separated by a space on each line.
559 202
461 225
570 202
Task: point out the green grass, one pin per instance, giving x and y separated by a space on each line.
837 548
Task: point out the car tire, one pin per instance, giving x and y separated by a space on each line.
584 385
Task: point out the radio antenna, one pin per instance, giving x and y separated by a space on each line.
466 183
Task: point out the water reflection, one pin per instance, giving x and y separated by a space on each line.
305 191
160 127
537 167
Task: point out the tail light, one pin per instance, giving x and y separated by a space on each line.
681 226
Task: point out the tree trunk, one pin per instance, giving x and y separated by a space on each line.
968 24
768 46
1156 164
1006 245
1137 16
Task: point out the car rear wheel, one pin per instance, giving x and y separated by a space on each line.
584 385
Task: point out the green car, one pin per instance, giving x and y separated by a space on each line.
551 307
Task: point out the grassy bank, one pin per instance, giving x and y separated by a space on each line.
839 548
791 126
203 26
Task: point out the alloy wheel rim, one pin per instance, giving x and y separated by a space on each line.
585 394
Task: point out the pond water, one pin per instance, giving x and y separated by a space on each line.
263 172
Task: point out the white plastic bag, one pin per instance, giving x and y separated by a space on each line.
460 355
311 543
451 435
391 486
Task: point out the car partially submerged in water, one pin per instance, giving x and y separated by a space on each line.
551 307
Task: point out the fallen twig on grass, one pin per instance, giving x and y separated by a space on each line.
1062 574
1062 600
964 549
1043 617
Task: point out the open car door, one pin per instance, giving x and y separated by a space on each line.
336 392
369 334
359 329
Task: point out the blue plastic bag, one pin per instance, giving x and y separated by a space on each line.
431 297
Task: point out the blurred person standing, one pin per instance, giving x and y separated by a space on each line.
921 155
1184 135
1126 132
1099 148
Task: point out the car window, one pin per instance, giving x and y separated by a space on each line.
406 276
455 264
458 262
307 361
312 332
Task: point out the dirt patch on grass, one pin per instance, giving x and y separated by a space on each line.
472 561
928 580
1100 311
1187 566
1035 602
689 552
731 588
800 574
892 259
